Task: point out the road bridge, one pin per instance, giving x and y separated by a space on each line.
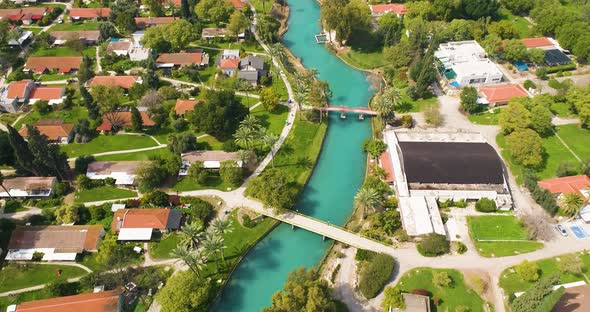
344 109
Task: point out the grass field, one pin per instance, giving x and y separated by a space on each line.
555 152
186 184
103 193
162 249
15 276
145 155
451 297
364 60
274 122
22 297
53 77
61 51
485 118
561 109
523 26
106 143
512 283
500 228
69 116
76 26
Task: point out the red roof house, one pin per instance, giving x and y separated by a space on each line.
124 118
106 301
20 90
565 185
124 82
538 42
182 106
501 94
138 224
182 59
89 13
63 64
53 95
238 4
382 9
54 129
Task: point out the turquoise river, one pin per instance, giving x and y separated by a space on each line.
335 180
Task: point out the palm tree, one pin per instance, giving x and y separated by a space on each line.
246 87
221 226
193 259
392 96
244 136
571 203
367 199
245 156
300 96
250 122
191 233
212 244
4 187
269 140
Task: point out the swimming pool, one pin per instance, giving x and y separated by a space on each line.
578 231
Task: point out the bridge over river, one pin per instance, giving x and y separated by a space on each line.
344 109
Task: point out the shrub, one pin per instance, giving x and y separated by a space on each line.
528 271
436 301
478 284
407 121
374 274
570 264
364 255
433 117
156 198
567 169
391 202
461 203
442 279
433 245
401 235
38 256
81 164
543 197
62 189
558 68
335 273
485 205
529 84
392 299
12 206
199 209
461 248
247 221
462 308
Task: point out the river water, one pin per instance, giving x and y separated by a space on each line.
335 180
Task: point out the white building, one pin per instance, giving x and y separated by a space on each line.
465 63
123 172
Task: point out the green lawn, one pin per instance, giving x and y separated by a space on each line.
300 150
451 297
408 105
145 155
103 193
561 109
364 60
555 152
247 46
523 26
15 276
8 118
485 118
274 122
76 26
69 116
210 143
56 51
53 77
106 143
185 184
162 249
500 228
512 283
131 258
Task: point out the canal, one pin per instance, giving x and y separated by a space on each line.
335 180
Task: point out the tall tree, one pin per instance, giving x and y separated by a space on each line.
269 141
244 137
2 185
47 158
367 199
24 157
222 226
571 203
123 13
136 121
238 23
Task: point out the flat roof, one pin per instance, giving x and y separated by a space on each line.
451 163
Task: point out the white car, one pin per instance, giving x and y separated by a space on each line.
561 229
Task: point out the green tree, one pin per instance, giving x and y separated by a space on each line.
213 10
441 279
570 264
107 99
212 245
231 173
182 142
535 295
571 203
48 158
514 117
368 200
504 29
197 172
514 50
269 99
269 141
304 291
268 29
245 137
222 226
192 233
149 176
398 55
185 293
392 299
526 147
85 71
218 114
492 44
237 23
433 245
374 274
2 185
23 156
475 9
374 147
536 56
123 13
67 214
541 119
274 189
155 7
136 121
155 198
469 98
527 271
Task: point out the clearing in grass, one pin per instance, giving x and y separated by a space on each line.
108 143
103 193
162 248
16 276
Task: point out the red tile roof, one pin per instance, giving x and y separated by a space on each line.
386 8
63 64
90 12
182 106
537 42
229 63
106 301
181 58
47 93
124 82
73 237
54 129
18 89
125 118
502 93
141 218
387 166
566 185
238 4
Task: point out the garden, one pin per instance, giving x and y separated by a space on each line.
500 236
105 192
17 276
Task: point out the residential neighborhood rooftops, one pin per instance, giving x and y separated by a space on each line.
579 184
106 301
92 35
89 13
53 129
451 163
108 167
47 93
232 63
125 119
73 238
28 186
182 58
146 218
143 22
62 64
379 9
18 89
573 299
537 42
119 46
502 93
124 82
182 106
213 32
218 156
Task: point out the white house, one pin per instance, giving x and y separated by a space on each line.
464 63
123 172
210 159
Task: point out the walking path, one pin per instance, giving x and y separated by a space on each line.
22 214
559 121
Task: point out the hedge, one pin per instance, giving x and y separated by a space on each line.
558 68
375 273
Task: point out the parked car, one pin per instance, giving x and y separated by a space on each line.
561 230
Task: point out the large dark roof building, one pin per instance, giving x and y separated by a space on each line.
451 163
